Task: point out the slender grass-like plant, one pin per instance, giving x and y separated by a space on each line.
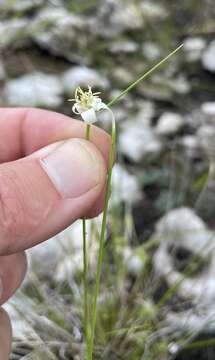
88 104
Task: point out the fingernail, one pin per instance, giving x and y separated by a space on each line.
1 288
73 168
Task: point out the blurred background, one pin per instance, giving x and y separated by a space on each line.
157 296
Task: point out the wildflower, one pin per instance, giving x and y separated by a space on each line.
87 104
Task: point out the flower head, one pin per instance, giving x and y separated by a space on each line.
87 104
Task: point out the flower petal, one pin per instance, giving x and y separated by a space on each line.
89 116
75 110
99 105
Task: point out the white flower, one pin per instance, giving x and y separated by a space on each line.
87 104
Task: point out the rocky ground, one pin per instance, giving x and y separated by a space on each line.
159 293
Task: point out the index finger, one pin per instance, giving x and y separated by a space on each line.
26 130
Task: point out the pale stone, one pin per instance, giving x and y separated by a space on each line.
169 123
193 48
151 51
35 89
20 6
153 11
125 186
55 29
138 141
208 108
124 46
182 229
208 57
83 76
14 32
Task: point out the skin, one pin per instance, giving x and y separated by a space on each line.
23 133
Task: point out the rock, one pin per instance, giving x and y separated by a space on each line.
20 6
185 240
35 89
61 258
181 220
125 187
115 17
137 141
83 76
179 85
156 91
151 51
208 57
122 76
208 108
146 113
153 11
169 123
193 48
191 145
164 87
14 33
194 119
60 32
205 135
45 258
71 264
126 16
172 85
123 46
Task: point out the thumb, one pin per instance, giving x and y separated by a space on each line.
45 192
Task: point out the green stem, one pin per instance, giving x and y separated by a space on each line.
90 342
199 344
142 77
85 281
85 266
87 134
101 240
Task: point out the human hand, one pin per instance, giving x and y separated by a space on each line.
49 177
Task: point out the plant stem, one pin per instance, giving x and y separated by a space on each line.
142 77
85 281
85 266
101 240
87 134
90 339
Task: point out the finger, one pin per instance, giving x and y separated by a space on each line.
45 192
5 335
28 130
12 272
